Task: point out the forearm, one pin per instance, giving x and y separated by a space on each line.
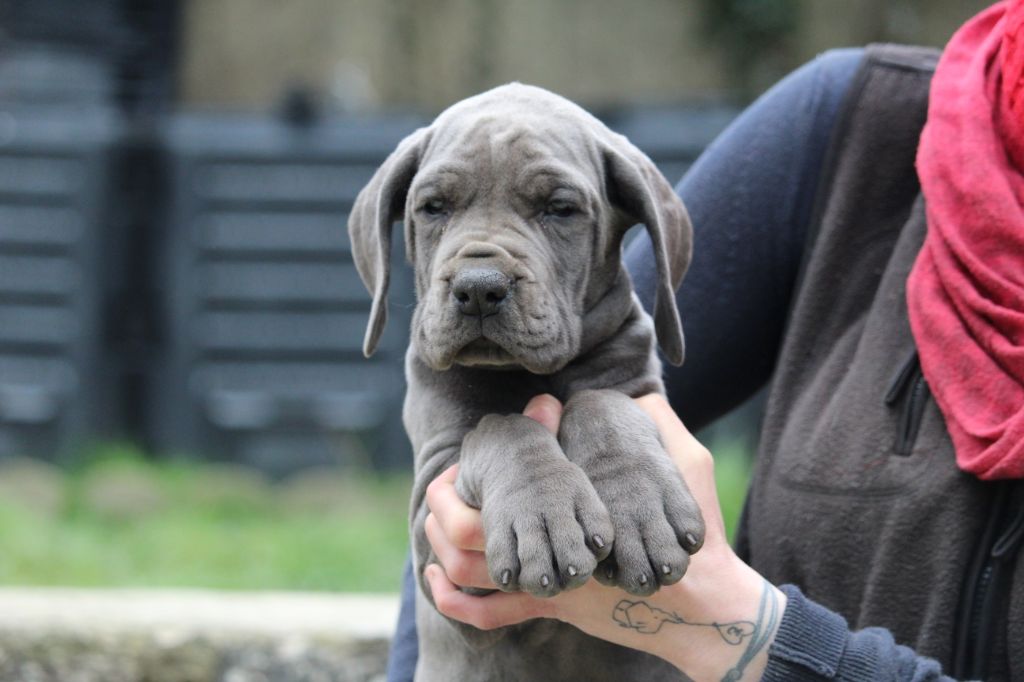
810 643
719 631
742 628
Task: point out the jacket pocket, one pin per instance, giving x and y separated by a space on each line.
908 393
853 427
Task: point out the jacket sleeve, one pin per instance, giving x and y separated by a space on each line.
405 645
749 196
814 644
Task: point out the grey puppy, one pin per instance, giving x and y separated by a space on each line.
515 204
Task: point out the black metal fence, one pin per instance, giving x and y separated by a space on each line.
265 311
185 279
53 175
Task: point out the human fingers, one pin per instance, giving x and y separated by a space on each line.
489 612
466 568
460 523
545 409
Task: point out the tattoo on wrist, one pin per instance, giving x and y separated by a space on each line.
648 620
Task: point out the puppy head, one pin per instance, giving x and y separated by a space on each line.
515 203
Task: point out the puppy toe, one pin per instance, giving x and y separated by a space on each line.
635 573
503 558
684 516
607 572
537 573
667 559
593 518
572 557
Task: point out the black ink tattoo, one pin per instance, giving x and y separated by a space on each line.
763 631
647 620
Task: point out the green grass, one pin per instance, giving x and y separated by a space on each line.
124 521
190 525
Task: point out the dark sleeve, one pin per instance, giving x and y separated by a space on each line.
405 645
749 196
814 644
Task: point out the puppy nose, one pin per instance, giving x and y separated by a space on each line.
480 291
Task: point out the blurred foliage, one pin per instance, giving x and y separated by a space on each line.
125 521
751 33
732 476
119 519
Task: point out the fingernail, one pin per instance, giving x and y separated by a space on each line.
544 580
691 539
572 570
610 573
666 569
599 542
643 578
506 575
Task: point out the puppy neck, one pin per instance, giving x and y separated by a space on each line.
605 317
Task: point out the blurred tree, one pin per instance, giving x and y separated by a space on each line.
756 37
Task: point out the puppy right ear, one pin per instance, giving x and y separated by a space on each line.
637 187
377 207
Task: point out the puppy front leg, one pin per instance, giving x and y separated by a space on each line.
657 522
544 524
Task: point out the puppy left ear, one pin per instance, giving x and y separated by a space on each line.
638 188
376 208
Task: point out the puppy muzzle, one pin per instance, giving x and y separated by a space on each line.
487 309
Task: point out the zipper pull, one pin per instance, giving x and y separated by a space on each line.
903 378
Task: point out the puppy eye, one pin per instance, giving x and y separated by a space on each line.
434 207
560 208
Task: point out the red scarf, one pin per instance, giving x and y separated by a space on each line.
966 291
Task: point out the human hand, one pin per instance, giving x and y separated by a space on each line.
719 620
456 530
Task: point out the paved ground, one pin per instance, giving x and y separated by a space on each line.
268 613
63 635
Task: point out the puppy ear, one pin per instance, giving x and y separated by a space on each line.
376 208
638 188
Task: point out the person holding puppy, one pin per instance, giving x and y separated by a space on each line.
860 238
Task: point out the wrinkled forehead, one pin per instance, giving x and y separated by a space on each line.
516 138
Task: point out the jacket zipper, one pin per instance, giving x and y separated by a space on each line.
989 584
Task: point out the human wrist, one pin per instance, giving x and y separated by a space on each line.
738 613
717 623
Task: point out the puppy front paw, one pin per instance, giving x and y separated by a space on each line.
548 534
657 526
657 522
545 526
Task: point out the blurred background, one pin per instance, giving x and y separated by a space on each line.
183 400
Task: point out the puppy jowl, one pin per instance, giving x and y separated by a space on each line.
514 204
